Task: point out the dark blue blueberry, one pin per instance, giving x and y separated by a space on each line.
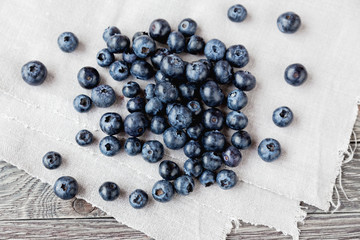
223 72
269 149
196 72
160 77
207 178
138 34
288 22
214 50
51 160
166 92
169 170
211 94
119 70
195 45
174 139
176 42
295 74
111 123
136 104
129 56
211 161
67 42
104 57
213 141
192 167
109 146
236 120
159 30
88 77
131 89
188 91
82 103
110 31
158 56
237 56
143 46
84 137
232 156
207 63
163 191
158 125
244 80
237 13
142 70
213 119
184 185
282 116
138 199
133 146
135 124
169 106
149 91
152 151
103 96
237 100
226 179
195 131
109 191
154 106
194 107
34 73
118 43
187 27
192 149
180 117
172 66
66 187
241 140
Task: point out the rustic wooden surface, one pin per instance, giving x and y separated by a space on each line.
30 210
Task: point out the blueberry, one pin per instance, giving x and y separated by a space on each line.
236 120
207 63
244 80
149 91
223 72
195 45
169 106
196 72
288 22
214 50
237 100
118 43
110 31
142 70
269 149
34 73
184 185
135 124
159 30
211 94
188 91
158 56
131 89
138 199
158 125
104 57
207 178
172 66
88 77
226 179
133 146
237 56
282 116
237 13
51 160
194 107
109 146
193 168
84 137
213 141
154 106
174 139
143 46
211 161
187 27
119 70
109 191
163 191
213 119
129 56
136 104
160 77
166 92
232 156
176 42
192 149
67 42
241 140
66 187
82 103
138 34
103 96
295 74
152 151
195 131
111 123
169 170
180 117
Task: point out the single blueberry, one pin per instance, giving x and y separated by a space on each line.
104 57
166 92
158 56
160 77
172 66
282 116
195 131
84 137
207 178
152 151
269 149
142 70
129 56
138 199
288 22
195 107
192 167
136 104
211 94
188 91
196 72
241 140
135 124
110 31
213 119
119 70
103 96
187 27
223 72
34 73
174 139
88 77
237 56
211 161
51 160
82 103
169 170
236 120
176 42
214 50
244 80
133 146
295 74
109 146
111 123
226 179
180 117
158 125
143 46
232 156
237 13
154 107
66 187
109 191
138 34
149 91
195 45
237 100
131 89
67 42
118 43
213 141
192 149
163 191
184 185
159 30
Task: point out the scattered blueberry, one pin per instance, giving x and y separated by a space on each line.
152 151
180 117
211 94
142 70
192 167
169 170
138 34
195 45
226 179
236 120
231 156
295 74
154 106
66 187
213 119
211 161
237 100
269 149
52 160
166 92
187 27
207 178
104 57
131 89
158 125
118 43
34 73
237 13
213 141
88 77
109 146
244 80
129 56
84 137
138 199
119 70
136 104
111 123
195 107
132 146
103 96
67 42
176 42
207 63
158 56
184 185
174 139
288 22
135 124
192 149
110 31
172 66
214 50
237 56
241 140
144 46
223 72
196 72
159 30
282 116
195 131
82 103
149 91
109 191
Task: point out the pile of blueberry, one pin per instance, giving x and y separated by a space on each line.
182 105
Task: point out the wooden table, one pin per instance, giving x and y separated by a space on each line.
30 210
